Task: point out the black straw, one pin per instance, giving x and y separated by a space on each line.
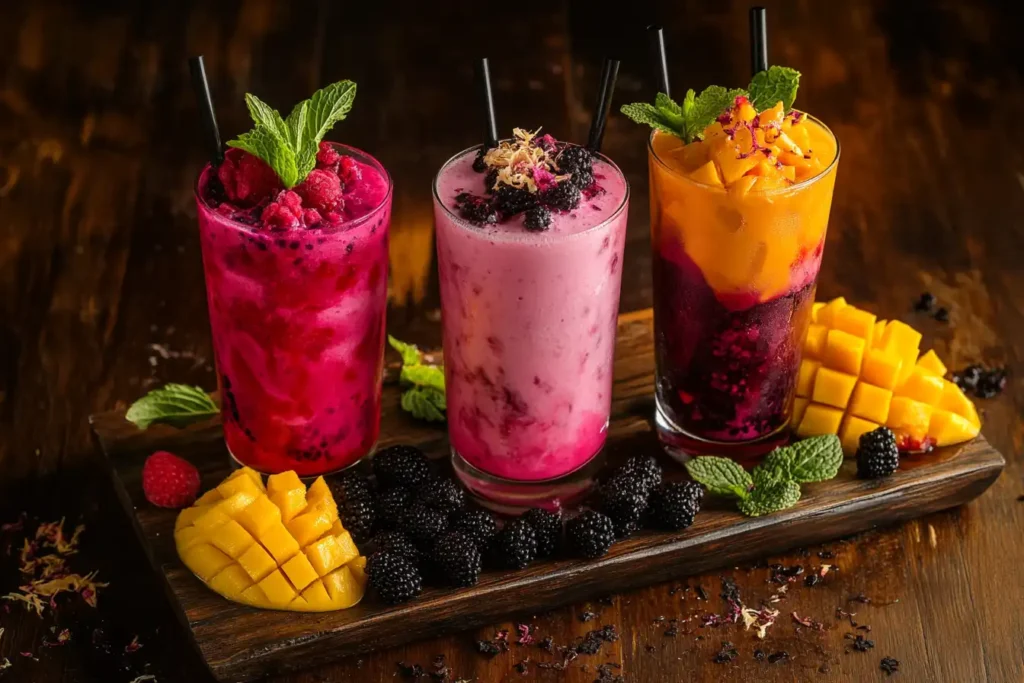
609 72
206 113
484 79
758 41
658 55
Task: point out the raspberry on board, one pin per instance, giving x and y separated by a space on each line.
169 481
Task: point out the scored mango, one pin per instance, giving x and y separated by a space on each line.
278 546
859 373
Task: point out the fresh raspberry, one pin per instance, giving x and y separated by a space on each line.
284 213
320 190
349 171
247 179
168 481
327 157
311 217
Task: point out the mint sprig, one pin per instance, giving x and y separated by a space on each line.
424 396
775 483
289 146
689 119
174 404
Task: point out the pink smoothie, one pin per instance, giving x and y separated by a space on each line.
297 317
529 327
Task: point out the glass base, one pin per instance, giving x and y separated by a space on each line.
682 445
512 497
238 464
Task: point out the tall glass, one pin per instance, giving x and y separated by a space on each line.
529 324
734 281
297 318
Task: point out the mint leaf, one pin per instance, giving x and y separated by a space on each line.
687 120
707 107
318 115
648 114
816 459
424 403
720 476
268 145
175 404
770 496
778 83
424 376
268 117
410 352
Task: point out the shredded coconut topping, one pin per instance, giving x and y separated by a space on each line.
522 164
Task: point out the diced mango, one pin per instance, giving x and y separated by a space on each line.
188 516
922 385
343 587
910 417
279 542
212 518
733 167
742 186
211 496
876 336
257 562
318 490
188 537
814 343
260 515
254 595
232 580
290 501
318 597
324 555
954 400
930 362
819 420
815 309
347 550
805 377
948 428
277 589
870 402
746 112
900 337
799 406
299 571
232 539
237 484
309 526
851 431
826 316
237 502
832 387
843 352
285 481
205 561
881 368
707 174
358 568
857 322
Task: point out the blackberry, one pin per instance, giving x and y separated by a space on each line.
512 200
476 209
538 219
516 545
925 303
942 315
674 505
349 485
479 165
563 196
457 559
590 534
624 499
442 494
397 542
401 466
423 525
968 378
644 468
395 578
547 526
489 180
358 516
991 383
392 505
478 525
579 162
877 455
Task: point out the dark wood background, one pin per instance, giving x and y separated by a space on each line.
101 291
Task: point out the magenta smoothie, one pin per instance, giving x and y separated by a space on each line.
529 304
296 284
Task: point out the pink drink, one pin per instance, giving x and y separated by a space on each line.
297 316
529 327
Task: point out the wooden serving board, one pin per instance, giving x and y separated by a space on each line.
241 643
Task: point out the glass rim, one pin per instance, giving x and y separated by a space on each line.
342 226
545 237
755 193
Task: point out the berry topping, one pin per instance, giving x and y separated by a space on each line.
479 165
284 213
548 528
513 200
516 546
674 505
246 179
443 495
392 505
457 559
562 196
476 209
349 171
624 500
538 219
357 515
328 157
590 534
395 578
578 163
423 525
479 525
401 466
321 190
169 481
397 542
878 456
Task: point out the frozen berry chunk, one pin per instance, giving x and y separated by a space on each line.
321 190
284 213
246 179
327 157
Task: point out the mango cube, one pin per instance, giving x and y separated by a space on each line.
922 385
257 562
815 309
290 501
870 402
881 369
909 417
232 580
708 174
188 516
851 431
316 595
188 537
876 336
232 539
857 322
948 428
814 343
826 316
312 524
900 337
279 542
318 490
843 352
832 387
325 555
358 568
819 420
239 483
343 587
205 561
254 595
799 406
805 377
259 516
954 400
285 481
208 498
299 571
277 589
930 362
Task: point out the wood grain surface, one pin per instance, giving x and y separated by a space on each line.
101 292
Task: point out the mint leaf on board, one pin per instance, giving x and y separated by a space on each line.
424 403
174 404
720 476
767 88
770 496
423 376
411 354
424 398
269 146
817 458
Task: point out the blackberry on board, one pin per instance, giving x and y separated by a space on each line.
512 200
624 499
675 504
401 466
478 525
563 196
589 534
423 525
877 454
358 516
442 494
392 505
579 162
547 526
457 559
396 541
645 468
349 485
395 578
538 219
515 546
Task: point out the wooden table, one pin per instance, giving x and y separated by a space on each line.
101 292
